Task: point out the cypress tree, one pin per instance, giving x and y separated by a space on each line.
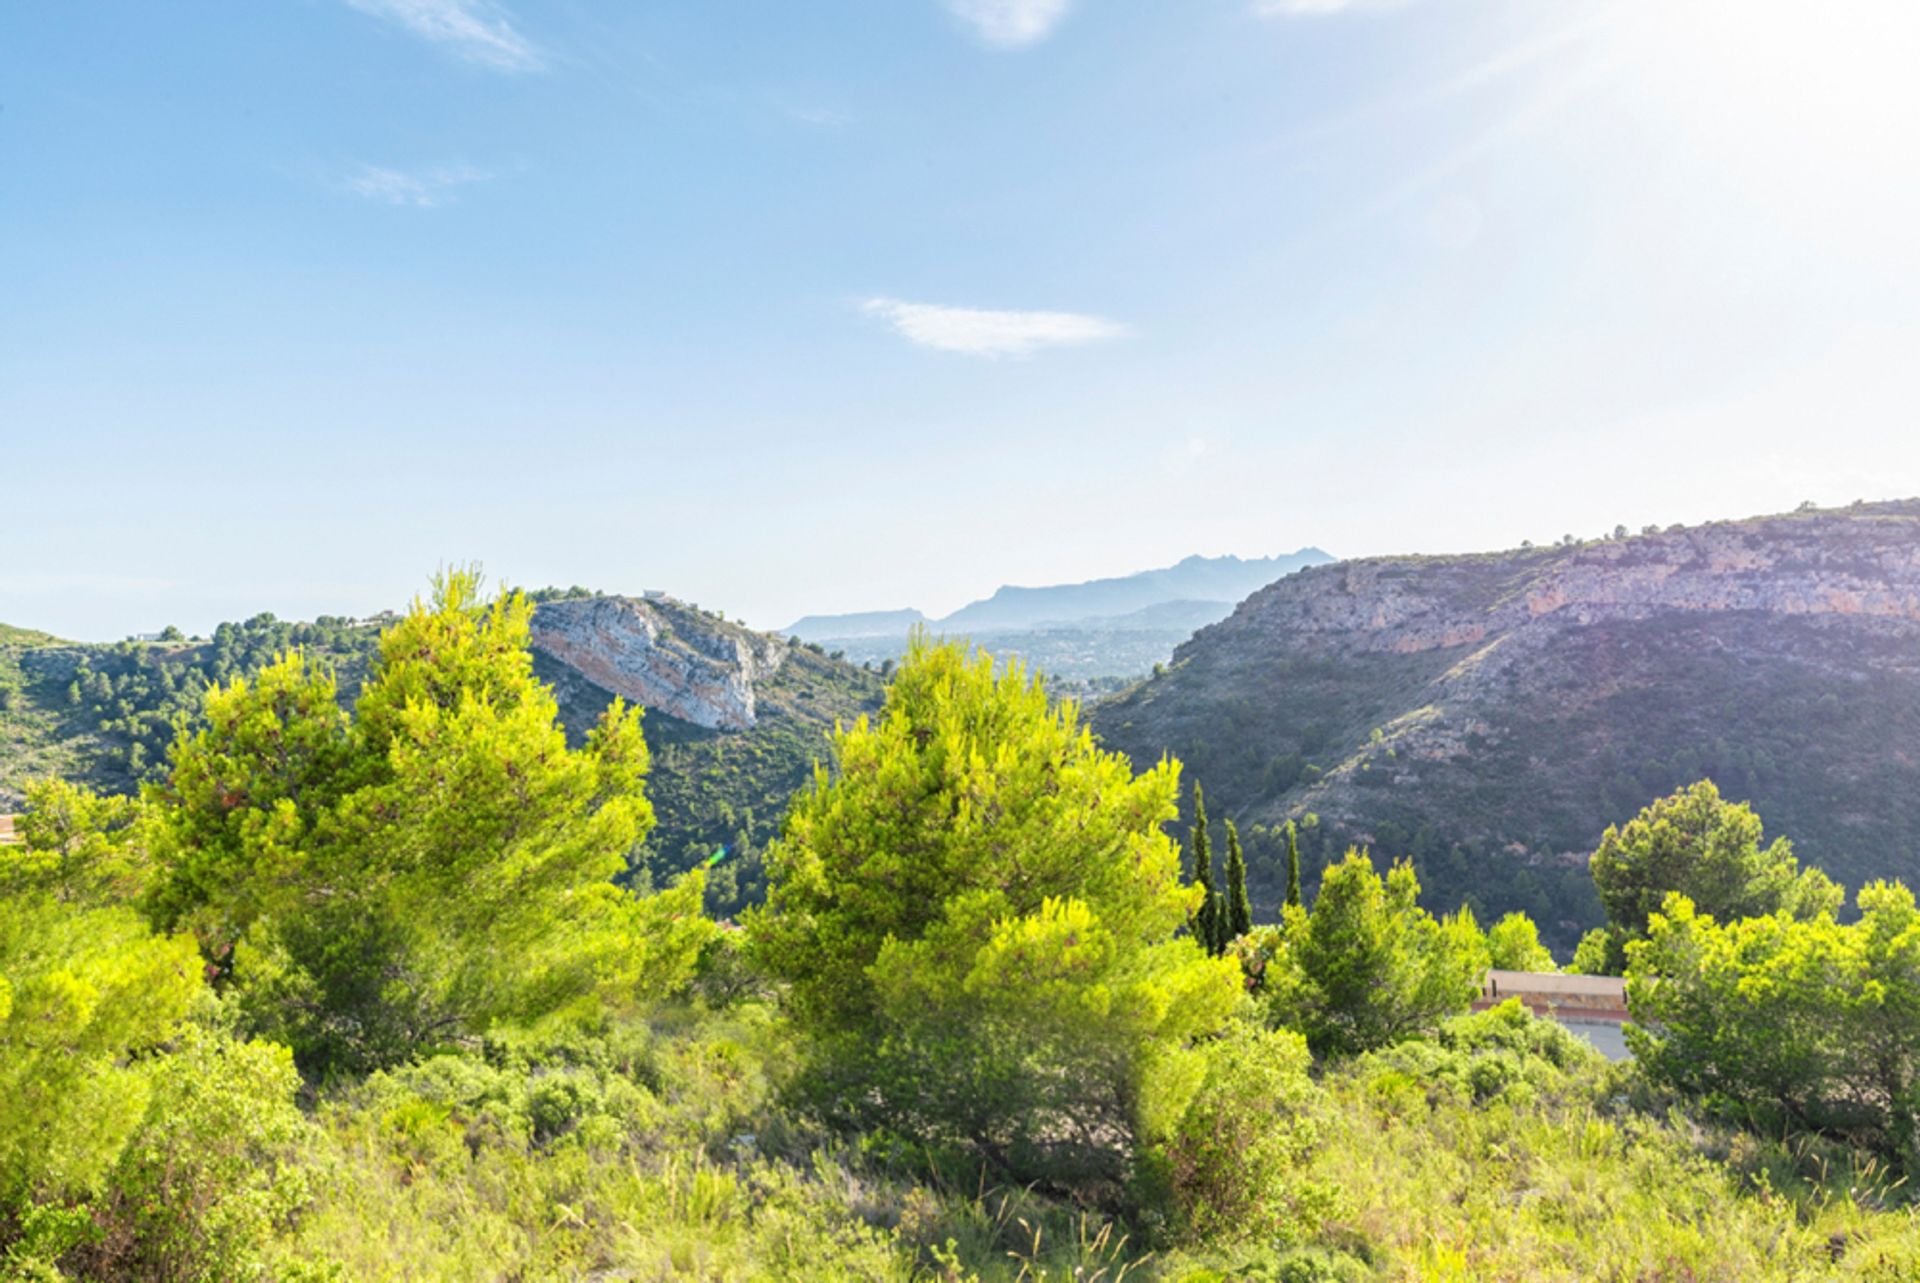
1239 915
1206 919
1293 864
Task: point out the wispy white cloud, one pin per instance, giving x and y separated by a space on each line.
1318 8
821 117
476 30
1011 23
422 189
983 332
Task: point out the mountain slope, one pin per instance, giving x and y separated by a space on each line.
104 713
12 636
735 720
1490 715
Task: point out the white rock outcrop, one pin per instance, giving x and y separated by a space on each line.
661 655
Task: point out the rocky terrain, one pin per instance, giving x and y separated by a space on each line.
661 655
736 720
1490 715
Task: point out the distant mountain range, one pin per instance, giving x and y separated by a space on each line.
866 623
1117 627
1487 716
1490 715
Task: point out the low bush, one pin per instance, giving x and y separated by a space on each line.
1503 1052
1229 1168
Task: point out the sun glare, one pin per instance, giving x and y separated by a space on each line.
1829 84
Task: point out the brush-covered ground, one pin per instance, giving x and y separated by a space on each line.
365 994
1499 1149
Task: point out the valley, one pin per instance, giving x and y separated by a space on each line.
1490 715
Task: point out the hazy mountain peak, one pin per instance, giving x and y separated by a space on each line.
1012 607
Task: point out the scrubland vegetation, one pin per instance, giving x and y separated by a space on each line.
358 995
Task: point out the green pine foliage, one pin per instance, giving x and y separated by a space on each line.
1206 918
1238 917
1699 845
1295 899
1787 1022
975 914
1513 944
368 886
975 1035
1368 966
1710 850
85 992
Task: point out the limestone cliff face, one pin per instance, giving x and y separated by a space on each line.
661 654
1815 564
1494 713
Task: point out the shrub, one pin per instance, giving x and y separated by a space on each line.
1231 1163
1504 1053
520 1092
1806 1025
215 1173
81 993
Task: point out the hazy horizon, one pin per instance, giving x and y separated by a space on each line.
799 310
420 590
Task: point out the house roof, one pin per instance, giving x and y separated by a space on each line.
1555 984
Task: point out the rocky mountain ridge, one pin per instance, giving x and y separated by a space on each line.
1491 714
1195 578
1012 607
1803 565
663 655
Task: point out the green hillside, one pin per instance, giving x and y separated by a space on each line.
1491 715
713 788
360 998
12 636
105 715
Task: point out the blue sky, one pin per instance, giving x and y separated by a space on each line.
796 307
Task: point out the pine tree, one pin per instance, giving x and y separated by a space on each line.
1239 909
1206 928
1293 865
946 990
